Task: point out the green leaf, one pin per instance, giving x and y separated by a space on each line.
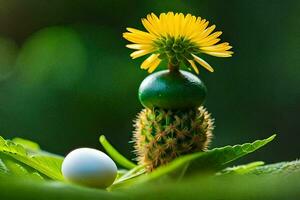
116 156
217 158
258 168
196 187
29 189
44 163
208 161
27 144
241 169
284 168
3 168
12 168
233 187
131 174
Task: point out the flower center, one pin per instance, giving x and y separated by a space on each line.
176 50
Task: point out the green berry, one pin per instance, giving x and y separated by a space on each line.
162 135
172 90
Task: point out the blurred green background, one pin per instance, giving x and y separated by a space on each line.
66 76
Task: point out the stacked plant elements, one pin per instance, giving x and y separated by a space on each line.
174 122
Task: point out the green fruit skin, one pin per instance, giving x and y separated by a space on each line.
172 90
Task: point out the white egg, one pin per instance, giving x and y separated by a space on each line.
90 167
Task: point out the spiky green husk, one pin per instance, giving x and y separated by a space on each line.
162 135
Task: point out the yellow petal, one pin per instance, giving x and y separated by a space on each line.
194 66
196 27
215 48
147 63
154 20
185 24
141 33
209 30
133 30
211 42
203 33
163 24
176 25
149 27
203 63
219 54
139 46
203 41
136 39
139 53
190 26
170 23
221 45
154 65
180 24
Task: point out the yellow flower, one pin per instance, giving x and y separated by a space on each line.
178 38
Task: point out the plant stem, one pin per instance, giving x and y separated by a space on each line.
172 67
